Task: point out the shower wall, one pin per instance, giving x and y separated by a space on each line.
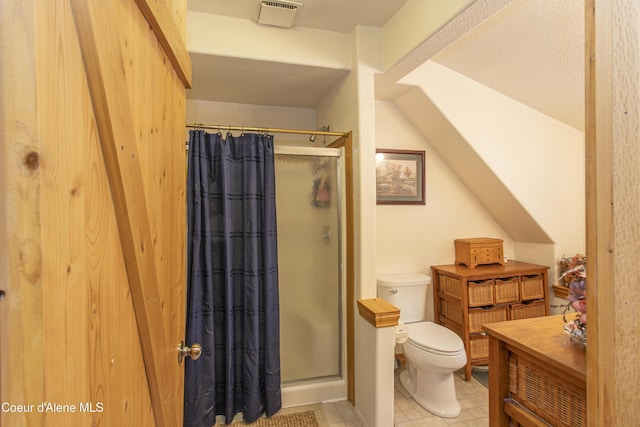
308 210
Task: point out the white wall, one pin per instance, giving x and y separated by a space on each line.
351 106
412 238
225 113
539 159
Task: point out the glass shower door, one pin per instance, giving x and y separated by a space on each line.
309 240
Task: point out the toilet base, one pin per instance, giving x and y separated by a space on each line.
434 392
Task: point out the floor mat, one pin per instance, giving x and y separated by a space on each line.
482 376
299 419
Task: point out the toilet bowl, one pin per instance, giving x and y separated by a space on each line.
432 352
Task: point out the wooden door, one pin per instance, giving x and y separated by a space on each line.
92 233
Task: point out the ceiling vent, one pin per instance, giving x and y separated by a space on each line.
281 13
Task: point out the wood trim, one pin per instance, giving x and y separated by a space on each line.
159 18
351 361
345 142
378 312
498 381
525 418
560 291
599 215
612 209
108 88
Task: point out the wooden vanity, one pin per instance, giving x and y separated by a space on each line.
537 376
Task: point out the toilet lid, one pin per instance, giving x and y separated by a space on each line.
435 338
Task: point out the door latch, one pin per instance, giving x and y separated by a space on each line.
193 352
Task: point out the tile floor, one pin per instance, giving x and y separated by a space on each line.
473 397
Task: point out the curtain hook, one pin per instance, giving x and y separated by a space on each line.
219 133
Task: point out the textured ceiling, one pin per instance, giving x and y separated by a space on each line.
531 51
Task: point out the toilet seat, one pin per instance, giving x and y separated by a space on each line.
434 338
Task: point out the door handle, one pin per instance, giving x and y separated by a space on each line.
193 352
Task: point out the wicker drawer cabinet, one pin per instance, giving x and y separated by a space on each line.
466 298
537 377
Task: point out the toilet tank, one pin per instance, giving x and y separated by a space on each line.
408 292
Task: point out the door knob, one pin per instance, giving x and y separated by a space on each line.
193 352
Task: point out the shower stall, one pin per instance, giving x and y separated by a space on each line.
310 216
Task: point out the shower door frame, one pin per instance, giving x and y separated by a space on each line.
345 142
338 155
347 271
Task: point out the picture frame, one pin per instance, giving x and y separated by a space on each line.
400 177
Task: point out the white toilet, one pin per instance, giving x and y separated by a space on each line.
432 351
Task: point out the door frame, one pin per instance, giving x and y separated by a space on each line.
345 142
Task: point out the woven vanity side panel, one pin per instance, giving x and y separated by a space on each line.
553 399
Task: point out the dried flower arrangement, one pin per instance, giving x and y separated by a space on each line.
572 269
574 276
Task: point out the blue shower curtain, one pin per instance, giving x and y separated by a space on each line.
232 284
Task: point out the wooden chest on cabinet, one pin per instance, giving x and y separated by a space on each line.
466 298
478 251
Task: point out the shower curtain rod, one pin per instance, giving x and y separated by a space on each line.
264 129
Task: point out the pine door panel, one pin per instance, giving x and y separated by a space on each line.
94 226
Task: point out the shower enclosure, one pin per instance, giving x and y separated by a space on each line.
309 203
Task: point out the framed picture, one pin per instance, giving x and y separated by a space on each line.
399 177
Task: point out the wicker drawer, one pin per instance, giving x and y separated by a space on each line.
480 292
547 395
451 310
480 316
532 287
527 310
479 346
507 289
450 286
